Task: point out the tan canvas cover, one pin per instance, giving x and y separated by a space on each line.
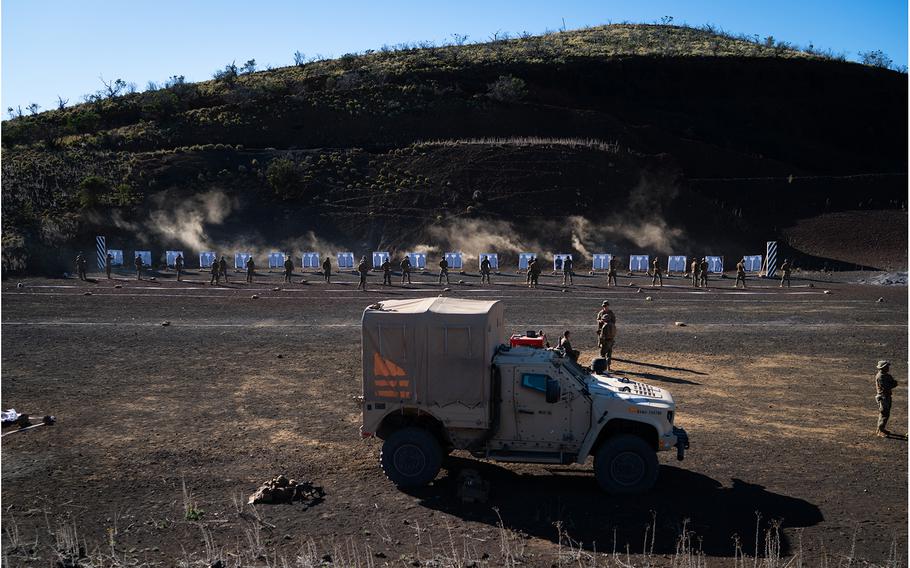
434 353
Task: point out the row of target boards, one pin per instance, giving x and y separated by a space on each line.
455 260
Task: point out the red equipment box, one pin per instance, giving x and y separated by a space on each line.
529 339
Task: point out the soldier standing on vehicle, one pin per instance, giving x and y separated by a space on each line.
567 346
138 263
443 270
327 270
222 267
606 332
533 272
215 269
740 273
363 268
108 264
250 268
611 273
703 272
785 273
80 266
656 276
694 269
884 384
485 270
288 269
178 266
567 266
386 272
405 269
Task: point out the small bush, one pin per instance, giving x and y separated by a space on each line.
507 89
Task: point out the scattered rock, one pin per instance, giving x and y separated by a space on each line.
218 564
638 291
276 289
255 296
880 300
280 356
827 292
446 289
280 489
679 323
152 279
811 285
86 293
648 298
19 284
118 285
630 284
461 281
165 323
380 555
327 558
472 488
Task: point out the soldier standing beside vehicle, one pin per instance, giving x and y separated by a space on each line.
215 269
533 273
178 266
288 269
250 269
443 270
222 267
703 272
694 269
405 269
884 384
363 269
606 332
485 270
656 276
386 272
567 266
138 263
327 270
80 266
740 273
785 273
611 273
108 264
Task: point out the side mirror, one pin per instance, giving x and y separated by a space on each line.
553 390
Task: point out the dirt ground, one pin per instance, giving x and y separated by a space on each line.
775 387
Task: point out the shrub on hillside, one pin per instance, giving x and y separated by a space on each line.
284 177
507 89
91 188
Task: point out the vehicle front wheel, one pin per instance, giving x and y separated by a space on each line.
411 457
625 464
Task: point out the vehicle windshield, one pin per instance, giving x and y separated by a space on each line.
574 369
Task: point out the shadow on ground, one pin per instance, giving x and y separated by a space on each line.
533 504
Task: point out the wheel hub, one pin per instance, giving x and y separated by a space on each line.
409 460
627 468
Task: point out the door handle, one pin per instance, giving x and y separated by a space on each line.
523 411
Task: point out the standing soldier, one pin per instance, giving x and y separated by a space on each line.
656 276
606 332
80 266
386 272
216 272
250 268
703 272
288 269
108 264
528 275
558 263
567 266
178 266
222 268
611 273
405 269
785 273
740 273
694 269
884 384
138 263
327 270
363 269
485 270
443 270
533 272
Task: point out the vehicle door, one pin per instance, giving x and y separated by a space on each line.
542 425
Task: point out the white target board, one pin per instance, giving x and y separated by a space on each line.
524 258
753 263
492 257
240 259
418 260
379 257
676 263
638 263
455 260
311 260
715 264
276 259
345 260
117 255
601 261
206 259
559 260
170 257
146 256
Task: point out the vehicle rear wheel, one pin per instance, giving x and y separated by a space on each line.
625 464
411 457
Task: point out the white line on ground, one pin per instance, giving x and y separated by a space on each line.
518 325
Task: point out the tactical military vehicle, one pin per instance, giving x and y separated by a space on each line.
437 378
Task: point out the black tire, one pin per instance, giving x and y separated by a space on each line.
625 465
411 457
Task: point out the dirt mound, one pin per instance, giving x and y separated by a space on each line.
873 239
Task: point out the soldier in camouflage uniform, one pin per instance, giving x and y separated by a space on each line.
694 269
567 266
327 270
215 269
405 269
606 332
108 264
80 266
178 266
656 275
703 272
785 273
386 272
138 263
533 273
250 269
884 384
740 273
288 269
485 270
363 269
222 267
443 270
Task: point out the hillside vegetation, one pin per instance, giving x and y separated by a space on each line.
656 137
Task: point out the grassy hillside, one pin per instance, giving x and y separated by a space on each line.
647 137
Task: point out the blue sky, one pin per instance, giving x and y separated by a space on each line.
61 47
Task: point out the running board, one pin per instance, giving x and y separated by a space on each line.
524 456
